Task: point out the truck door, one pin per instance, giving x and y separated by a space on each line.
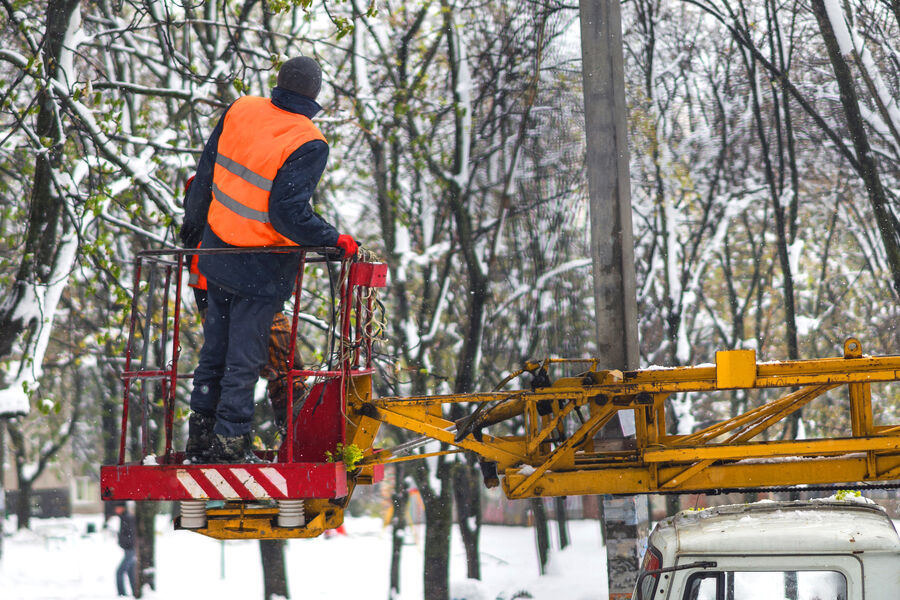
751 577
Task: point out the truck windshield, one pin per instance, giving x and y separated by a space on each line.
766 585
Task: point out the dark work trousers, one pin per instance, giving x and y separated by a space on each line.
126 567
236 337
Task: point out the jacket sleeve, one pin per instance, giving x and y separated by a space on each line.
290 211
199 194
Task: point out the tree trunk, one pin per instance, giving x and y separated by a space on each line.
673 504
602 518
438 523
541 531
23 506
467 494
790 585
145 544
868 169
562 521
46 218
275 584
399 500
467 484
107 379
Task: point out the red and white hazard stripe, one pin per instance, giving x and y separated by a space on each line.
266 481
223 482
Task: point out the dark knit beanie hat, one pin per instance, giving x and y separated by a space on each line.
301 75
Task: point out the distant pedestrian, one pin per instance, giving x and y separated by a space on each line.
126 542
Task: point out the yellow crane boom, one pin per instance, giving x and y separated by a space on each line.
554 449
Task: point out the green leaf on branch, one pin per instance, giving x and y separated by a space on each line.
349 455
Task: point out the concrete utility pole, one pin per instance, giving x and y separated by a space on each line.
612 251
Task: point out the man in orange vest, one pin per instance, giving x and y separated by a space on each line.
252 187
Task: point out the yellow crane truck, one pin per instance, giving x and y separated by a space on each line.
536 433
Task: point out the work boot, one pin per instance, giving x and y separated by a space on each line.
236 450
200 438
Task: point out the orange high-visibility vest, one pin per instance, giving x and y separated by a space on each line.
257 137
195 277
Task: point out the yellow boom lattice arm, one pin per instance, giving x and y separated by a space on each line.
545 441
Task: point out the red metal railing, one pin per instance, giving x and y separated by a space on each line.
355 303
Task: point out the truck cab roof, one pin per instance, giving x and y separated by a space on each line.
795 527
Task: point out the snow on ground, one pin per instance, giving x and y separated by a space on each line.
59 560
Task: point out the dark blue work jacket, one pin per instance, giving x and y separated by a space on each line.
263 275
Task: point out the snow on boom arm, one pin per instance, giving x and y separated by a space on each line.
539 441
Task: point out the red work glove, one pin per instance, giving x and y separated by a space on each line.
347 244
187 184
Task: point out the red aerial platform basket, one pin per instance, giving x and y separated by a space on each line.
300 469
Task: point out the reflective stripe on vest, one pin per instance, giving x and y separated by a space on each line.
195 277
257 137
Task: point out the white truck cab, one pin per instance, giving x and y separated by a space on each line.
802 550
